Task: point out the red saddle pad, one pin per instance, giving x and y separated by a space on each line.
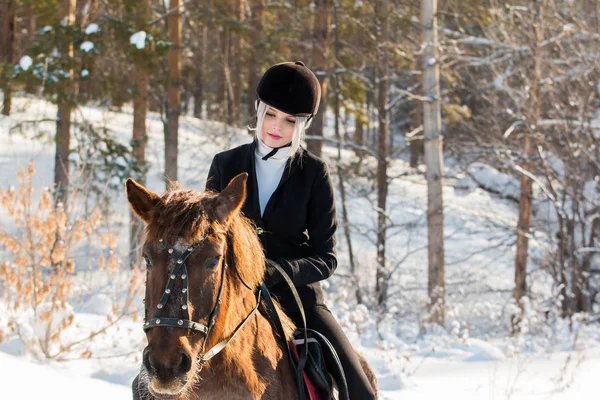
314 393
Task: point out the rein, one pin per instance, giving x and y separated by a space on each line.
180 272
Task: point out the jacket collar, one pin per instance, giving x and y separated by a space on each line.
274 153
252 208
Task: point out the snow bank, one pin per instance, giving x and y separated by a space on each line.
27 381
482 175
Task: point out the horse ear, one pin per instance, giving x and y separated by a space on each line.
141 200
231 199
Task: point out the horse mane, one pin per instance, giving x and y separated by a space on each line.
188 214
250 261
181 213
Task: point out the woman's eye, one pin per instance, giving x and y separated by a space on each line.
212 262
291 122
270 114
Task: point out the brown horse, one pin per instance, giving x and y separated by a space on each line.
204 267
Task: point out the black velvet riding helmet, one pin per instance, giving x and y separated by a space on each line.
290 87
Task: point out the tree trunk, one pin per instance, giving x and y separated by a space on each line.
525 210
585 301
173 93
235 69
30 86
8 48
221 84
370 139
200 54
416 145
225 95
591 12
359 133
140 110
523 227
361 113
84 15
562 260
85 11
434 160
31 22
320 54
63 119
416 150
578 291
340 170
256 34
381 15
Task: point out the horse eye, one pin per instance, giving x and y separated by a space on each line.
147 261
212 262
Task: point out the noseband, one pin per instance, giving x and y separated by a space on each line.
180 272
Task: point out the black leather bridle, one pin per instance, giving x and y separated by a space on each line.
180 272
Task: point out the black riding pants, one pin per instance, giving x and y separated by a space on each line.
320 319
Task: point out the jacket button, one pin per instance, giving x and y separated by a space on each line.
259 230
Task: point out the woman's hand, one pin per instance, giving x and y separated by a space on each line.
272 275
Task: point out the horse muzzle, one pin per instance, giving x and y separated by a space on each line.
167 372
165 391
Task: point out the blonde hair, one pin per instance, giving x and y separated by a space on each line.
302 124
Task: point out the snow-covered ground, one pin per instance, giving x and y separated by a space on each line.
557 376
471 359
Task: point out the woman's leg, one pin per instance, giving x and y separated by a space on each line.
320 319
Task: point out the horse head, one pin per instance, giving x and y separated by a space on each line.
200 253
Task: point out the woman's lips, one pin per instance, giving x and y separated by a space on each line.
272 136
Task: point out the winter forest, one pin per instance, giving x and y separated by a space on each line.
463 142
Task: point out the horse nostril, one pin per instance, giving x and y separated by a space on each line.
185 364
146 360
151 363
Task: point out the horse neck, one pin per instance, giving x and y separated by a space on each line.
254 353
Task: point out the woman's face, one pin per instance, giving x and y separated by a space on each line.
277 128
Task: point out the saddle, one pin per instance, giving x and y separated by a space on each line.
319 372
323 369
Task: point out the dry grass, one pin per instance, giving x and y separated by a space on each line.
36 279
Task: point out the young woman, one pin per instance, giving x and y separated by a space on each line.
290 199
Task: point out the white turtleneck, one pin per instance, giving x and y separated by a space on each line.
269 172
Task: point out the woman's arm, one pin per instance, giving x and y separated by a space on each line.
321 226
213 181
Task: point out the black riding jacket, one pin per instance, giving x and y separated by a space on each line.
297 229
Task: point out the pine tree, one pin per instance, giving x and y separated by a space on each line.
320 55
139 136
173 91
382 8
67 89
8 49
256 49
